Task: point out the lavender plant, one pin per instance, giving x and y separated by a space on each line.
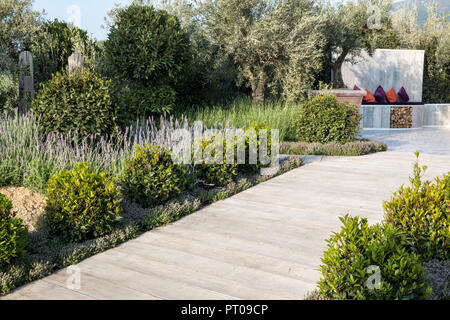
29 159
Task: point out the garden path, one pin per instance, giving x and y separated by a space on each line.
426 140
264 243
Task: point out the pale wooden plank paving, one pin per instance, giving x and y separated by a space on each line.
265 243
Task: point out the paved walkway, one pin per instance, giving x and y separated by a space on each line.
265 243
426 140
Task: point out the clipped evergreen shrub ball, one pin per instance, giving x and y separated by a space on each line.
365 262
13 234
75 102
323 119
82 204
152 178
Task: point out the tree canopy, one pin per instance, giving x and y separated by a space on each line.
18 21
274 44
351 27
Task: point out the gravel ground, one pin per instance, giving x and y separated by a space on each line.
28 205
439 277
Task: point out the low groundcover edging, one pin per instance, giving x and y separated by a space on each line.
355 148
47 254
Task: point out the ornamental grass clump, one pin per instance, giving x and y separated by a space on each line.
82 204
151 177
422 211
13 234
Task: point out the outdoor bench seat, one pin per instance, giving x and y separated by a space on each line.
393 103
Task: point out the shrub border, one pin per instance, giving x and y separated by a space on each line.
59 256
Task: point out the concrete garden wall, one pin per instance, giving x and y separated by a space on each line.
437 115
388 68
429 115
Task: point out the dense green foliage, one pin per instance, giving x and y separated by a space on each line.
147 45
254 142
275 46
137 102
82 204
18 22
148 50
322 119
352 251
433 37
9 92
422 211
13 234
75 102
240 112
52 46
213 169
152 178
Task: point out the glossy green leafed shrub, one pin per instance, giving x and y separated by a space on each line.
82 204
148 46
136 102
152 178
323 119
213 171
365 262
253 138
147 50
75 102
13 234
422 210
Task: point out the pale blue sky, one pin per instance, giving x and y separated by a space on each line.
92 12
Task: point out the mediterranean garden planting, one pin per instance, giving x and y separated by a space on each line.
409 250
89 133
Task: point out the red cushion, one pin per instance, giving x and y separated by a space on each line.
369 96
391 96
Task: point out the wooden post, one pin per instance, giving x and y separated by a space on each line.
26 81
75 61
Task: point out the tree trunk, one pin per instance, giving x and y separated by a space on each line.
258 88
338 81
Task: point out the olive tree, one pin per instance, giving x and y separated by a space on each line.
350 28
274 44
